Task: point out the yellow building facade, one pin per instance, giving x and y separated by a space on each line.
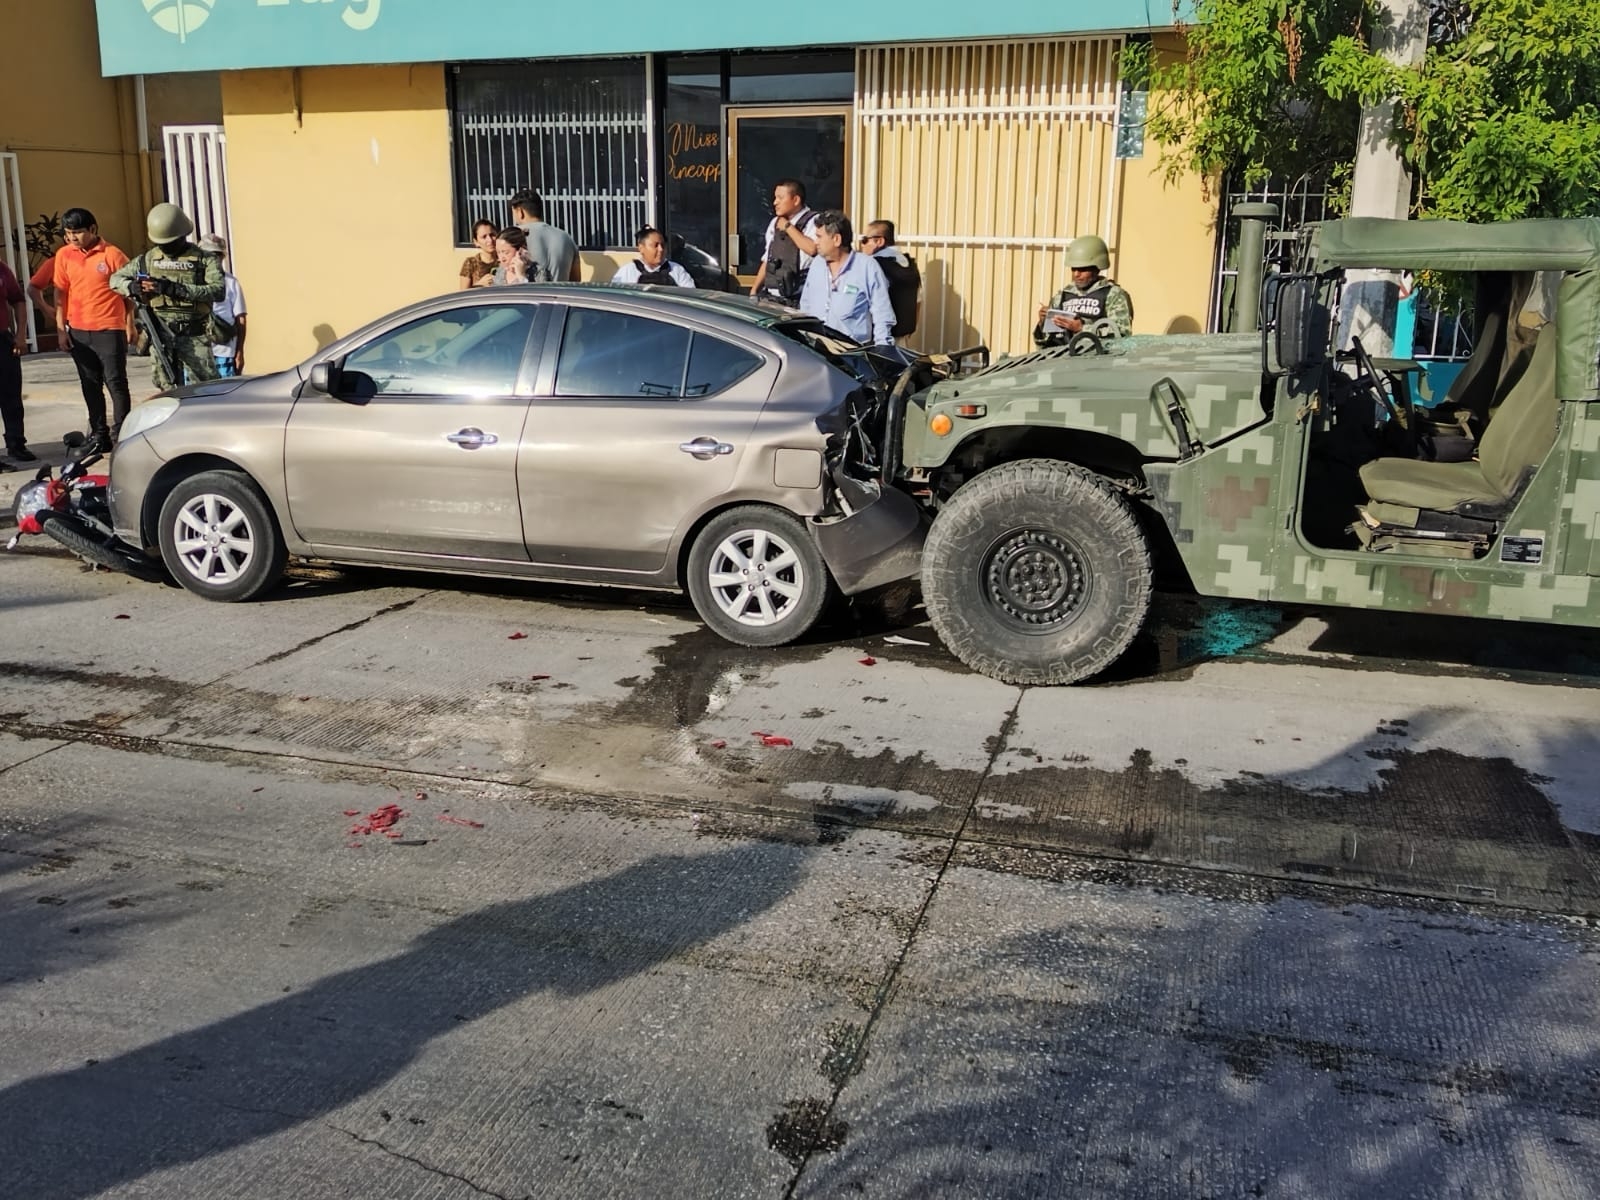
353 175
75 138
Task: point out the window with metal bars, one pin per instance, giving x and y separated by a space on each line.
575 132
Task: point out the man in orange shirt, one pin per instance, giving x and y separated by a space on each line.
95 324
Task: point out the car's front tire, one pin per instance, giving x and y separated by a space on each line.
219 538
756 577
1037 572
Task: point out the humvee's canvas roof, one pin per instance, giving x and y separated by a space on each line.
1542 245
1569 246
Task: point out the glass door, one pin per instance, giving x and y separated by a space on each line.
810 143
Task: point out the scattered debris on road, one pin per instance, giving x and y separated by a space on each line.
771 739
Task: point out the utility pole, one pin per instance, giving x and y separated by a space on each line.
1382 184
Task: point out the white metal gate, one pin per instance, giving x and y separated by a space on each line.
989 157
15 232
197 175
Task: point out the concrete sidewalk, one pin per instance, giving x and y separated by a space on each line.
52 404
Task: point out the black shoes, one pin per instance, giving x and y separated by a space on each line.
20 452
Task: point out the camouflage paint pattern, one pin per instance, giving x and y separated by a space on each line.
1232 507
191 355
1217 376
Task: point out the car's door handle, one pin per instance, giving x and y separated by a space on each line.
705 448
471 439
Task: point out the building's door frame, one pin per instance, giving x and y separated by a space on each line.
732 114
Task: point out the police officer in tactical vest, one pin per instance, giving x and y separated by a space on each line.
1090 298
180 282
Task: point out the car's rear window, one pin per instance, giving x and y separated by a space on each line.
619 355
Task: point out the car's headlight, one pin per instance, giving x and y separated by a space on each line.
147 416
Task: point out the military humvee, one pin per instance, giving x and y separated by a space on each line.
1275 466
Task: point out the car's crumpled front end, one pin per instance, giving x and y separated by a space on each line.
874 531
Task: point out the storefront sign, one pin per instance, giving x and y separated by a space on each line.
154 36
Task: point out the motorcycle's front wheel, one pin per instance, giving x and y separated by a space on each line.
93 546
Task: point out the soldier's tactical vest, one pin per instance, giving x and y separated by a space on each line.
661 274
1090 306
182 262
784 276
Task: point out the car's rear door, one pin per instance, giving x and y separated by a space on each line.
417 453
640 422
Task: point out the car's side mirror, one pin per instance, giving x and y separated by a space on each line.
1298 338
325 378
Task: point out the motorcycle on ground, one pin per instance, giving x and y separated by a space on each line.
71 506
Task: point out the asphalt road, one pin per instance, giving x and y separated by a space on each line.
1296 904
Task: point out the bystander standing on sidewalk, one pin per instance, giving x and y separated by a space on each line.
228 315
548 246
14 333
93 323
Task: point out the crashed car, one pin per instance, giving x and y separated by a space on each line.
642 437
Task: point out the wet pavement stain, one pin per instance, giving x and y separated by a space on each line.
803 1128
1434 822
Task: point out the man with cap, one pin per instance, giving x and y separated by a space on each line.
180 282
228 314
1090 298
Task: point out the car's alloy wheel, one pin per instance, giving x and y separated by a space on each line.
214 539
756 576
219 538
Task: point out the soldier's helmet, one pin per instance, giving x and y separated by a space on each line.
1088 251
168 223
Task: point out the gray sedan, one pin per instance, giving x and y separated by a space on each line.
645 437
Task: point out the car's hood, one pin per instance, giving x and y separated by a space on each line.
211 387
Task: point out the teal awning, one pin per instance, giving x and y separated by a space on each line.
154 36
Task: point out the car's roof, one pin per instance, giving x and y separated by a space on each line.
727 304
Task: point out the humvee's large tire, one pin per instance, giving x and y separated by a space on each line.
1037 572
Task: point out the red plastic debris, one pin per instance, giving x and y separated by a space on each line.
517 636
771 739
719 744
462 821
421 795
378 819
868 661
352 812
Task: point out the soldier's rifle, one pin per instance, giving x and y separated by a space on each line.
162 348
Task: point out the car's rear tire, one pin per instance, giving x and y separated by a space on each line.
756 577
219 538
1037 572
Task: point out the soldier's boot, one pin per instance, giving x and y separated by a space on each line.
99 441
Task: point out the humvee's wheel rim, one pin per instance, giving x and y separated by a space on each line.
756 577
1036 581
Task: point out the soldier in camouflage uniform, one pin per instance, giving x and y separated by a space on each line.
180 282
1091 297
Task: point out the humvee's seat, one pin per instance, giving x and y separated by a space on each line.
1516 440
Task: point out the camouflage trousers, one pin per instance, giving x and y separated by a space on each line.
192 356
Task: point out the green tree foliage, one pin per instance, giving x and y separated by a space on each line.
1500 120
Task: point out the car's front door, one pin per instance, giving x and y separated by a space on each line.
416 453
640 424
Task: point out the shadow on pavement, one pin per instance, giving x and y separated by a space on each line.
298 1058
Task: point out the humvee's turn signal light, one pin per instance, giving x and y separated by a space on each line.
941 424
972 410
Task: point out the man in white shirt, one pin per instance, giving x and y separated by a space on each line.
791 244
228 313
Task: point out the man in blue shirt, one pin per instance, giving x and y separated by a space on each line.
845 290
